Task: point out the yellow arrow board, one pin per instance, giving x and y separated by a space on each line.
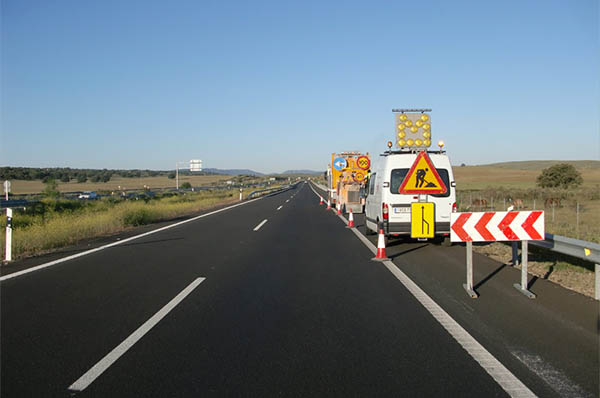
422 178
422 220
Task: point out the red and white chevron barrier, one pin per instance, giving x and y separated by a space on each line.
496 226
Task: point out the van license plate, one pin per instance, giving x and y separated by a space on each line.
401 210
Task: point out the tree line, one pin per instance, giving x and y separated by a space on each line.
67 174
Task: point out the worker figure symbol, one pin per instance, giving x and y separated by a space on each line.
421 173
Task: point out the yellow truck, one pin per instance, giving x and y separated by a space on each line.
346 176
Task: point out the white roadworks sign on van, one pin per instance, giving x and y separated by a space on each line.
388 207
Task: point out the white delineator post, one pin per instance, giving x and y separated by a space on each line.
8 251
240 194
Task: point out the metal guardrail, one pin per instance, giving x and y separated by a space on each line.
14 203
588 251
271 190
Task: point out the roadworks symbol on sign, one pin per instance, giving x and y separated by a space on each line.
422 178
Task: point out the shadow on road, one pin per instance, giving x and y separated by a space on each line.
412 249
490 276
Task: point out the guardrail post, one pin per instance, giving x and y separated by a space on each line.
469 285
597 287
8 248
523 287
515 253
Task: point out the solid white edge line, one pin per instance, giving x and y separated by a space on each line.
99 368
260 225
504 377
85 253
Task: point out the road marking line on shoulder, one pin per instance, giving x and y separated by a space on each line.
88 378
279 208
260 225
504 377
85 253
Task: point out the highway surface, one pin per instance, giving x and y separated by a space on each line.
276 297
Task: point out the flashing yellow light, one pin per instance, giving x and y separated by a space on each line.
408 123
418 142
401 134
441 144
401 142
427 134
414 129
419 123
426 126
389 144
401 126
410 142
403 117
424 117
427 142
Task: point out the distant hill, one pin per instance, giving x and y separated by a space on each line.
234 172
544 164
310 172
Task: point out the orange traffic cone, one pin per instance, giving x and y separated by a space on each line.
350 220
381 256
339 208
328 204
321 202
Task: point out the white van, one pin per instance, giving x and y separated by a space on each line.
387 207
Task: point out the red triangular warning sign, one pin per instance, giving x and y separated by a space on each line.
422 178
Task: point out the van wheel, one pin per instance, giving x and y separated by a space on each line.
368 231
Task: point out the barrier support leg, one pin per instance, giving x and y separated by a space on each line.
469 285
523 287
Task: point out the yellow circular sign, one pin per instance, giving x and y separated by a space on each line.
359 177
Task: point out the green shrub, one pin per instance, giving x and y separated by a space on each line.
136 217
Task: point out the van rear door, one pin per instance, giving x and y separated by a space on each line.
401 203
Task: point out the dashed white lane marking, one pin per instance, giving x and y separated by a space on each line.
99 368
85 253
508 381
279 208
260 225
287 201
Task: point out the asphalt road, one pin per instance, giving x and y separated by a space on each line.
289 307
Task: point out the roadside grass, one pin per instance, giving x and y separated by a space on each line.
39 233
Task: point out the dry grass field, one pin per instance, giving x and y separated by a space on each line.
20 187
481 177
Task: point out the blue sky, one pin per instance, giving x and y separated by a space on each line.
275 85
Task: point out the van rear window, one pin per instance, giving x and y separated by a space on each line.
398 176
